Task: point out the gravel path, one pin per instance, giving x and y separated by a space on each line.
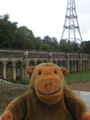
80 86
9 91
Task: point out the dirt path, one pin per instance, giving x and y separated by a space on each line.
80 86
9 91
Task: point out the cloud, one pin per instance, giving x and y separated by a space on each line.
86 36
45 17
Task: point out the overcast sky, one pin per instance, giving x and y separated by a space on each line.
46 17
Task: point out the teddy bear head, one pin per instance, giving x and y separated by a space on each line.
47 80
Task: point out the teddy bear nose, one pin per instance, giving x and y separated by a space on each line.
48 86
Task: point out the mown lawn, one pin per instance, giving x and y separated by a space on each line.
77 77
69 78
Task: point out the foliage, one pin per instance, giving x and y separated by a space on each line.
21 37
52 42
85 47
44 47
7 32
25 82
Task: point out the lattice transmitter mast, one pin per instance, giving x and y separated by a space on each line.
71 29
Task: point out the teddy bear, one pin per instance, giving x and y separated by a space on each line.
47 98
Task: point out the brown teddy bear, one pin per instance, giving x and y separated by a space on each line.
48 98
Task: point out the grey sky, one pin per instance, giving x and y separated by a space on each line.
46 17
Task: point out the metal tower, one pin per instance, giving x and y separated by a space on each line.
71 30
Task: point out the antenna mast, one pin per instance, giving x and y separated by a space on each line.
71 29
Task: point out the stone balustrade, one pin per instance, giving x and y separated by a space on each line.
13 63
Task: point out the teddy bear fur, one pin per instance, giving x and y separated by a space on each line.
63 104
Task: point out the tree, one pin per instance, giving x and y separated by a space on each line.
66 46
86 47
25 31
47 40
7 32
44 47
37 42
52 42
24 38
76 47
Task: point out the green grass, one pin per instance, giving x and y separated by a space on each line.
25 82
77 77
69 78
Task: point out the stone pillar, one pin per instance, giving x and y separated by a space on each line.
26 74
80 65
72 66
56 61
75 66
4 70
86 64
14 71
83 64
68 64
22 68
50 57
35 62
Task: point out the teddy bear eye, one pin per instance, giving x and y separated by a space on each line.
40 72
55 71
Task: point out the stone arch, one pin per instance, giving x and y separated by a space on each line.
45 61
18 70
59 63
54 61
9 69
1 70
31 63
38 62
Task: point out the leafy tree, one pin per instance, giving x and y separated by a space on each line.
47 40
86 46
52 42
82 45
21 37
76 47
37 42
66 46
44 47
25 31
28 44
24 38
7 32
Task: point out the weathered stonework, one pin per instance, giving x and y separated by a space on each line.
13 63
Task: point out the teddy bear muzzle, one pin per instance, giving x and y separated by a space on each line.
48 90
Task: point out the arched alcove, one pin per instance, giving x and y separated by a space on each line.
38 62
31 63
9 71
18 71
1 70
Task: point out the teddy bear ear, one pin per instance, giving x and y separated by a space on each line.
30 69
64 70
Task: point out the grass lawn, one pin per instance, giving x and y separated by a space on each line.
77 77
69 78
